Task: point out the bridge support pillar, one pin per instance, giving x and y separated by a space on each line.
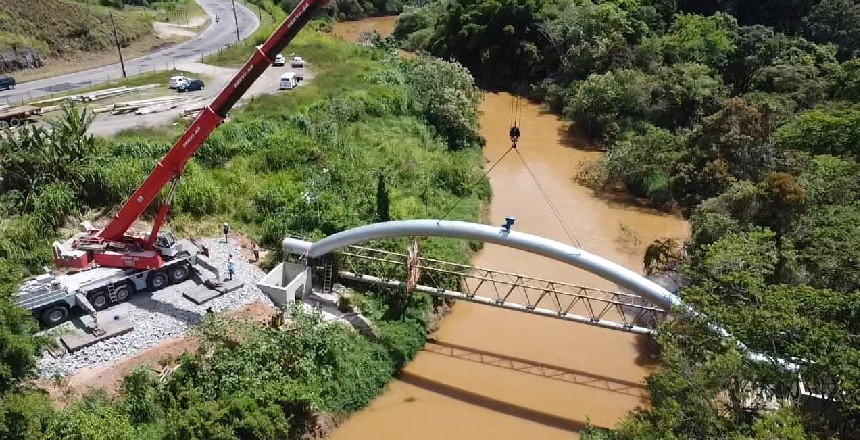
309 285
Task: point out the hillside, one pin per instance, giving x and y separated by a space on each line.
35 31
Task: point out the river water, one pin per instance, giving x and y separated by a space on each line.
498 374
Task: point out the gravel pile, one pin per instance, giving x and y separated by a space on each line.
165 313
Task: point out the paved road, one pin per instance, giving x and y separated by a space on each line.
216 35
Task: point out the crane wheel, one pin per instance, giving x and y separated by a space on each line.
157 281
99 299
178 273
123 291
55 315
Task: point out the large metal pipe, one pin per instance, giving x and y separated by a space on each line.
534 244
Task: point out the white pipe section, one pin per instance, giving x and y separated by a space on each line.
534 244
606 269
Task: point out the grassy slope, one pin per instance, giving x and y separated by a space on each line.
54 27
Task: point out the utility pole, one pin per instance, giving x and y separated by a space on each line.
236 19
118 48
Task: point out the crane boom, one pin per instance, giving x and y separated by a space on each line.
112 246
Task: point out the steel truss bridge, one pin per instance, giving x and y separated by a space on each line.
604 308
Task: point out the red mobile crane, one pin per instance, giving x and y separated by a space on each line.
113 246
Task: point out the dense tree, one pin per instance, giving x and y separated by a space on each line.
604 104
837 22
829 180
697 39
822 132
643 162
446 95
585 37
684 94
494 39
785 15
846 81
731 145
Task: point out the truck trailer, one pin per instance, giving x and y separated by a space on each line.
51 297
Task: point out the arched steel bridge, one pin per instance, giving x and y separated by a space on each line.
638 311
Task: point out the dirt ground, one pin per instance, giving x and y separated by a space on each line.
106 124
160 357
194 26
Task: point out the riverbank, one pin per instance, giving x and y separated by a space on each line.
479 373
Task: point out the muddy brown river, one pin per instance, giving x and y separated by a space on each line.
498 374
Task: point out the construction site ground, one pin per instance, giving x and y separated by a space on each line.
106 124
108 376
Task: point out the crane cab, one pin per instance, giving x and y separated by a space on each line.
165 243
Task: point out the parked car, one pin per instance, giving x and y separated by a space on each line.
280 60
191 85
297 62
288 81
176 81
7 83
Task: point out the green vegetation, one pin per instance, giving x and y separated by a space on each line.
309 162
743 115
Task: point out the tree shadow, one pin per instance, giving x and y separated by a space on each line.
564 374
496 405
619 198
571 136
648 351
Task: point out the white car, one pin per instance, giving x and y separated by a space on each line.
279 60
177 81
297 62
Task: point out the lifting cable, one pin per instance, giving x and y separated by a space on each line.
469 191
515 123
552 207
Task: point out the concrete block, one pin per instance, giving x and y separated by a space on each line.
199 294
113 313
81 338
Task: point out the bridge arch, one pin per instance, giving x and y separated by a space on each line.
552 249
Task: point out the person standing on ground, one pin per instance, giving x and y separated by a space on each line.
230 267
256 250
226 231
